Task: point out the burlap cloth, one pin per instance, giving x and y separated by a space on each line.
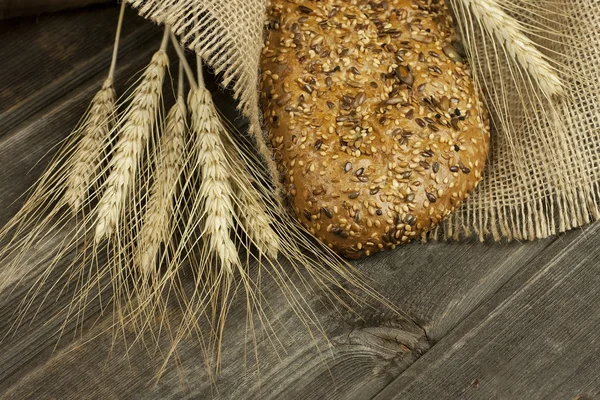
543 172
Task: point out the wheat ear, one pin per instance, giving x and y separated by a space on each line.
509 33
134 130
215 190
160 208
251 211
88 154
256 222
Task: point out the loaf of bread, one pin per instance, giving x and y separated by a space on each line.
377 129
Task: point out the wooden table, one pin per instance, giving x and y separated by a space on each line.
505 321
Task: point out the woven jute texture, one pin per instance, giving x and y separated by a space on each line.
543 171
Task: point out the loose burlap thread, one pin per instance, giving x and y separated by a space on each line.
543 172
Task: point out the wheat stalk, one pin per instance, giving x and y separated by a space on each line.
134 131
509 33
215 191
159 213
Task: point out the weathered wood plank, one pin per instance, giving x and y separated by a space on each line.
537 338
67 374
367 356
439 284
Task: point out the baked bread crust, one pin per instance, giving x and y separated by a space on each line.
377 129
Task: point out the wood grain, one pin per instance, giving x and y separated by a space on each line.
537 338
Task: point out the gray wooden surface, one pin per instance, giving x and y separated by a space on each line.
510 321
19 8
